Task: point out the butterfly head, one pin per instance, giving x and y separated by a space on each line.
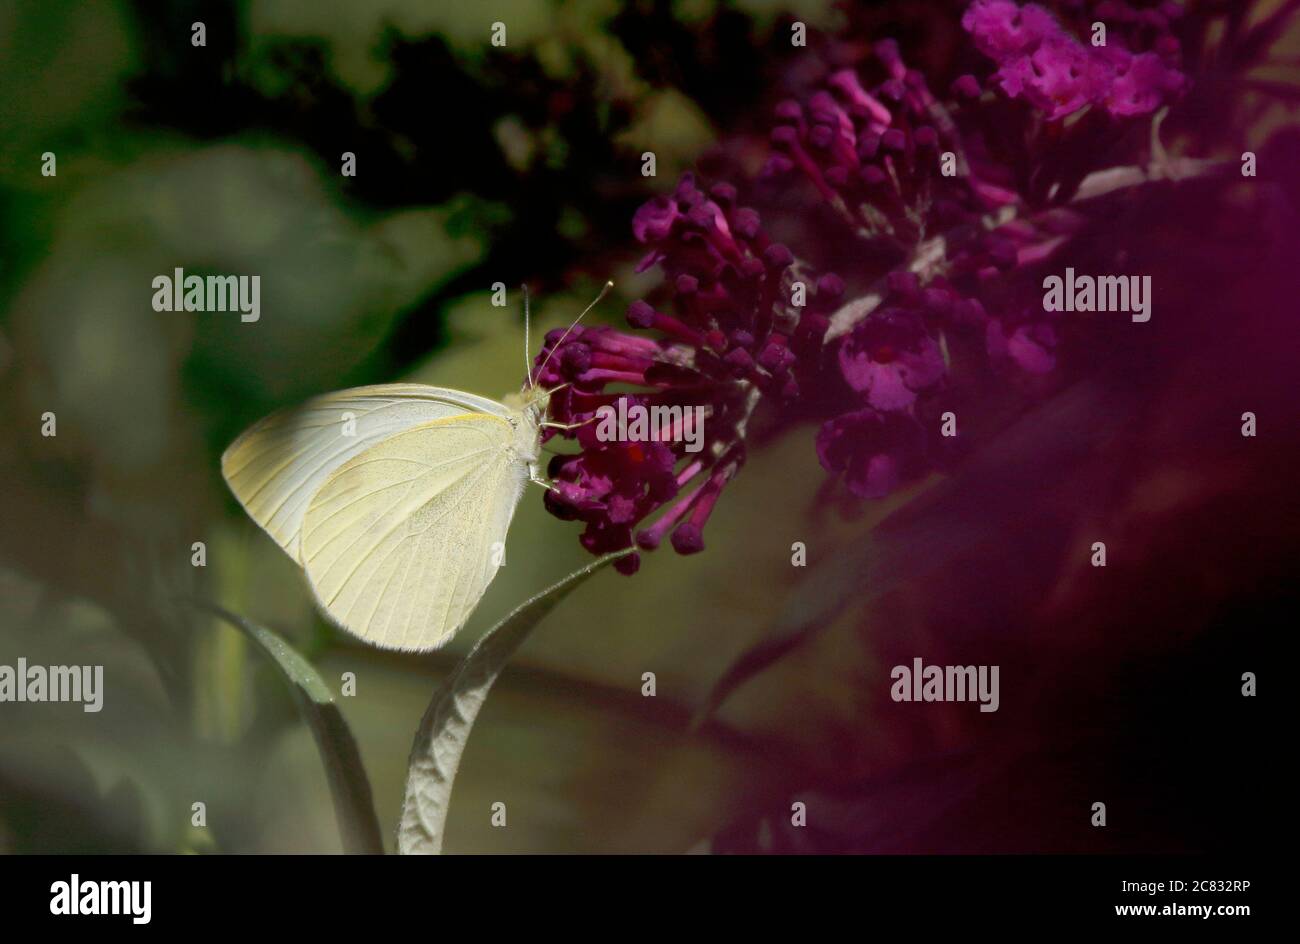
528 400
528 408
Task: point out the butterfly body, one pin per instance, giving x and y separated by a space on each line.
394 499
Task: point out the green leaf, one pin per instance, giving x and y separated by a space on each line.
354 807
444 729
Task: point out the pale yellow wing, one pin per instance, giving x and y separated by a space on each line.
277 464
400 542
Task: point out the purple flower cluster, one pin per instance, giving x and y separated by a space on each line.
892 368
876 452
1042 62
874 153
734 335
942 269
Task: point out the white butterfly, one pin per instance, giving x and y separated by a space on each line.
395 499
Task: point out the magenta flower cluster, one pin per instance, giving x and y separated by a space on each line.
729 338
745 327
1041 61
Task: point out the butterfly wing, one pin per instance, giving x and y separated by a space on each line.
400 542
275 467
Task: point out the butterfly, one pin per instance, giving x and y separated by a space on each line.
395 499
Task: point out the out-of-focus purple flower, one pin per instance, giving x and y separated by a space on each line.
1025 339
890 358
876 452
1140 84
1059 76
1042 62
1003 29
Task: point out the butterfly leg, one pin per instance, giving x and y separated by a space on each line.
538 480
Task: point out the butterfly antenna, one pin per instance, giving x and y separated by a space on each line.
558 344
528 348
